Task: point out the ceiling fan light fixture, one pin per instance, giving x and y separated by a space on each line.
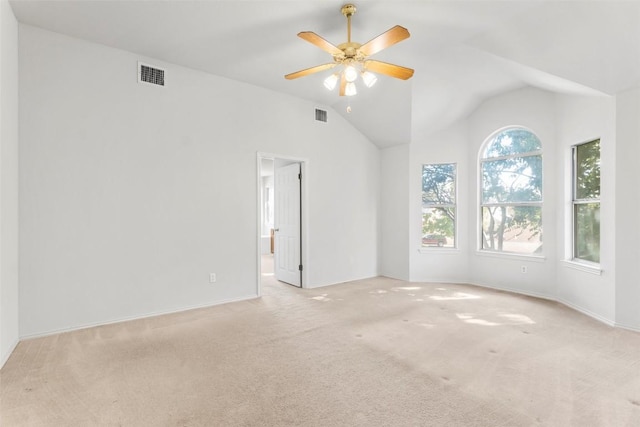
350 74
352 58
350 89
369 79
331 81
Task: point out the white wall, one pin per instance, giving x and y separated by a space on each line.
8 181
394 212
582 119
441 264
627 219
533 109
131 194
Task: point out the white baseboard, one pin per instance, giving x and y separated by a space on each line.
6 357
128 319
628 327
587 312
322 285
572 306
516 291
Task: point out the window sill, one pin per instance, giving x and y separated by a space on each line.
438 250
508 255
590 268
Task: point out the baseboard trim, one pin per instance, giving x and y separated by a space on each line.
323 285
572 306
587 312
140 317
6 357
515 291
627 327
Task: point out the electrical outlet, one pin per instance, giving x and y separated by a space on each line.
212 278
524 269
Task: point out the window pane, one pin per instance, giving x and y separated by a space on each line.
439 184
512 180
587 231
588 170
512 141
512 229
438 227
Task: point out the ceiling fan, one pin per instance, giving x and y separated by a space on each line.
355 57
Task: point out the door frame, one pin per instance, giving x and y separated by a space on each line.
304 207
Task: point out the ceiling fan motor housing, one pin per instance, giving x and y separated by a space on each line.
349 50
348 10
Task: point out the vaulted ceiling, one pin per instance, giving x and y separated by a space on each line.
462 51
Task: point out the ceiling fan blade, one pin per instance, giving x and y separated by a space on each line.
384 40
343 84
385 68
315 39
311 70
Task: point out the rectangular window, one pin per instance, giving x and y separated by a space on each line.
439 205
586 201
512 204
512 228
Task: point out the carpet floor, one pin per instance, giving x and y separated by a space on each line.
375 352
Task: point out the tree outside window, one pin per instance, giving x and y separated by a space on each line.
439 205
511 192
586 201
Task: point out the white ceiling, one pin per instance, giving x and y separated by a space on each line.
463 51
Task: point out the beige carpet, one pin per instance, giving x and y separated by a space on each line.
376 352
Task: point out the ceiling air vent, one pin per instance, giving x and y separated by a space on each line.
149 74
321 115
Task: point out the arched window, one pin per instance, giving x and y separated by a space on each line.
511 192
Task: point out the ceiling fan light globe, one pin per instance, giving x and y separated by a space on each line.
369 79
350 74
350 89
331 81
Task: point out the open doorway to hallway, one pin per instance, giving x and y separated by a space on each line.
280 222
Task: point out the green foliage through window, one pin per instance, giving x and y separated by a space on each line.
586 201
511 192
438 205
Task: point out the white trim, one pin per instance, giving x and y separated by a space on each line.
323 285
131 318
586 312
582 266
627 327
572 306
507 255
304 201
439 250
10 351
510 156
259 224
514 291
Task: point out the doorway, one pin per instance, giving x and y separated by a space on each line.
281 227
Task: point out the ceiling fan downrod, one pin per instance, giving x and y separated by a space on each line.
348 10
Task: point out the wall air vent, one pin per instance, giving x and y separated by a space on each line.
321 115
150 74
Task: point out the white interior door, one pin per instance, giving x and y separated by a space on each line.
287 224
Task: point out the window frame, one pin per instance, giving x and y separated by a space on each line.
482 159
453 205
575 202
